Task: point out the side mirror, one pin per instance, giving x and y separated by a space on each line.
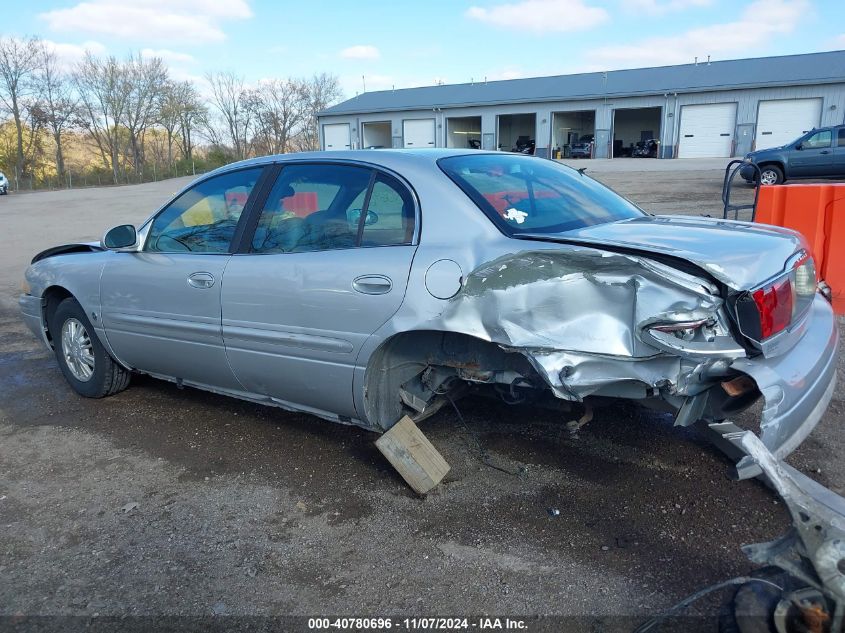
799 146
355 217
123 237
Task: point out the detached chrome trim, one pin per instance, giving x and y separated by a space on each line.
720 347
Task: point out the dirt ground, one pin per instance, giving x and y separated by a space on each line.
167 502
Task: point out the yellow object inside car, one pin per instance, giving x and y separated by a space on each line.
199 214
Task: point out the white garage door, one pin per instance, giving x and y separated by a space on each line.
782 121
418 132
336 136
707 131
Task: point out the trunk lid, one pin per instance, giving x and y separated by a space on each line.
741 255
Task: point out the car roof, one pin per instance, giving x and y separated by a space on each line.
394 159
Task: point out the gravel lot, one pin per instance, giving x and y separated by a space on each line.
161 501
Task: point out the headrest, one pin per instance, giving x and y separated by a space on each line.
286 192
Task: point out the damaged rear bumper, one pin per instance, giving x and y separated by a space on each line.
798 385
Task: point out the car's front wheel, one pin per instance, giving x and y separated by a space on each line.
771 175
84 361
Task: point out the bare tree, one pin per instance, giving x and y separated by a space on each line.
145 77
191 113
228 97
168 115
323 90
19 62
103 89
280 108
57 106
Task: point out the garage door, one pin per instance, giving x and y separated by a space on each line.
336 136
707 131
782 121
418 132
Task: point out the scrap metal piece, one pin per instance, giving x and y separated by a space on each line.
574 426
814 548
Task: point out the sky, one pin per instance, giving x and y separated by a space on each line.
383 45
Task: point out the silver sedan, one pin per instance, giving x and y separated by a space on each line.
361 287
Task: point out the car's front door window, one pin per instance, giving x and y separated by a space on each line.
203 219
819 140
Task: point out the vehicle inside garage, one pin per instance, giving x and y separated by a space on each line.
632 126
463 132
569 128
516 132
375 135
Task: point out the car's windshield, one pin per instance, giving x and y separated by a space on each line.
533 195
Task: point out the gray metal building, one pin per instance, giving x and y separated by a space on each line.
704 109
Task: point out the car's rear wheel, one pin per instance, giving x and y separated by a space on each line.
771 175
84 362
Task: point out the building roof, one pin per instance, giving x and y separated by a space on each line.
787 70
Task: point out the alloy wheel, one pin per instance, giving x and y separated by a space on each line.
768 177
77 350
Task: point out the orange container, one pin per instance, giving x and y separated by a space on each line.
818 213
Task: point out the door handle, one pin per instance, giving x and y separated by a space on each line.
372 284
201 280
825 151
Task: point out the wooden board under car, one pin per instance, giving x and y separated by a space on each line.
413 456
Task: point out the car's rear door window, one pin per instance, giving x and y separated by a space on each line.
203 219
310 209
390 214
533 195
842 137
318 207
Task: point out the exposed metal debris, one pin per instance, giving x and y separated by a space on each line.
813 550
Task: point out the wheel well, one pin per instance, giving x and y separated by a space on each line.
50 300
772 163
405 356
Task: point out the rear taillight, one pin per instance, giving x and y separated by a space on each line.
774 305
779 303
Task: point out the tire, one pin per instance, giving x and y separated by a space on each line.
771 175
84 362
751 607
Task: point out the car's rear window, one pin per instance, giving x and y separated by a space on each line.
523 194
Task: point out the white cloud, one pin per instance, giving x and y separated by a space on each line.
541 16
68 55
146 20
361 51
757 25
171 57
660 7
